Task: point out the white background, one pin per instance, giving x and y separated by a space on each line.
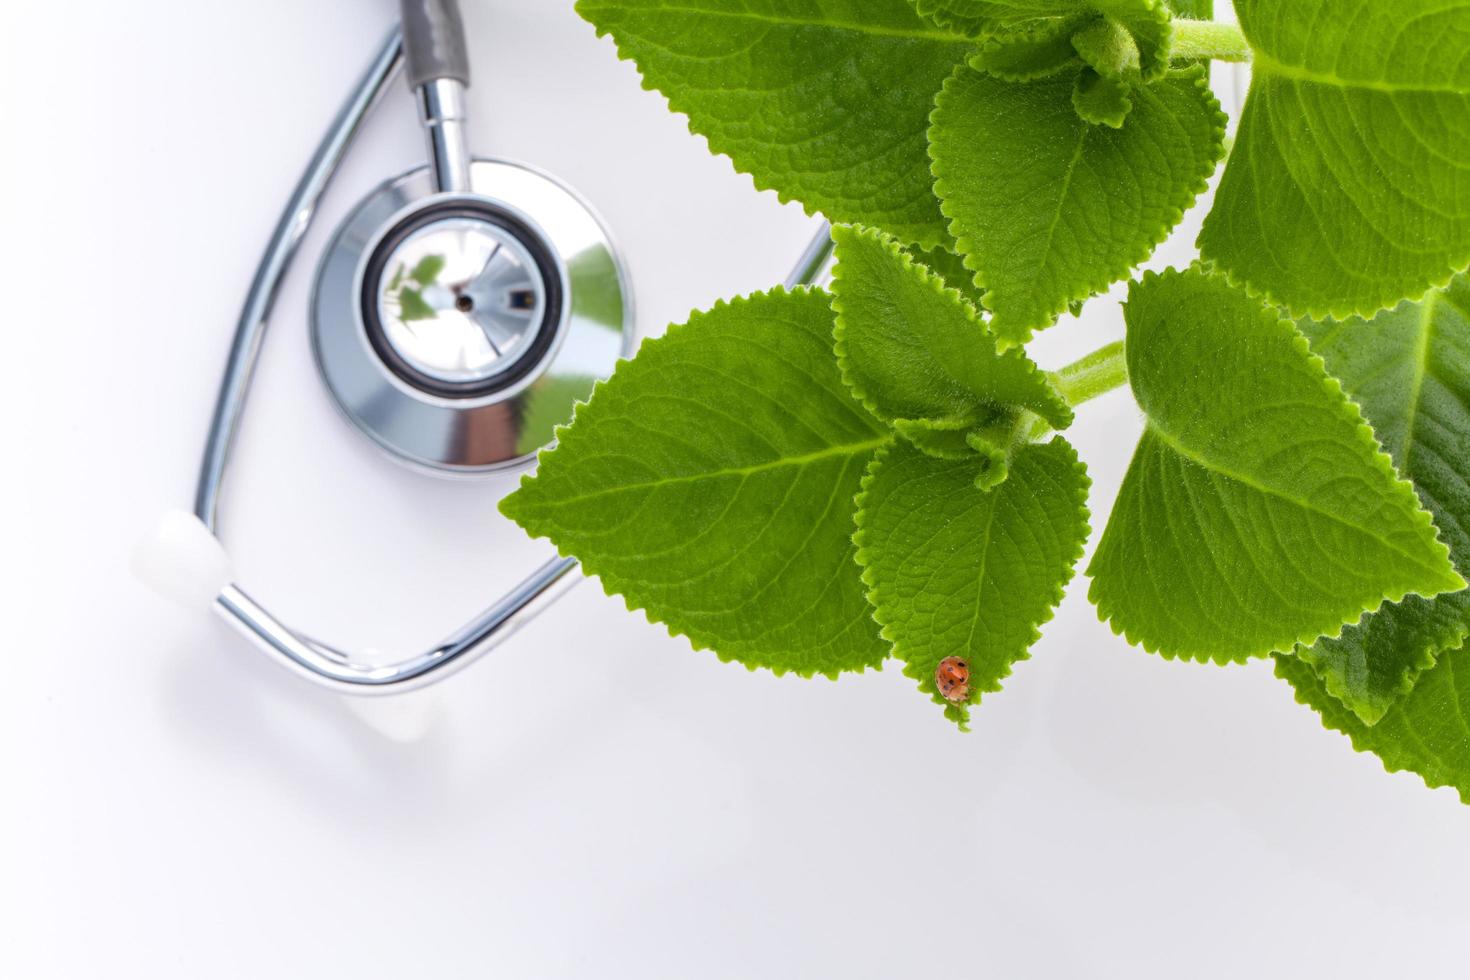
598 801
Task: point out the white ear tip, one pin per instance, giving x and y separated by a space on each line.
182 560
403 718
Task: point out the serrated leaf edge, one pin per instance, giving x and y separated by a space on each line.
1064 415
1160 66
947 21
1425 657
1111 121
968 27
1389 765
931 239
998 42
591 569
864 557
1316 312
1450 637
1363 433
966 246
1268 297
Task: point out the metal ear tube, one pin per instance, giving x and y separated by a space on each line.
527 302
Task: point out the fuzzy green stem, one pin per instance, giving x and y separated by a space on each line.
1096 374
1083 380
1195 40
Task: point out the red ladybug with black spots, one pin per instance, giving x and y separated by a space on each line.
952 677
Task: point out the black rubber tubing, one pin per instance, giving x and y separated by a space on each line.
433 42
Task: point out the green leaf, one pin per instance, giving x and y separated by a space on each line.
1349 186
1425 732
990 17
1149 21
954 572
710 481
824 101
1021 56
1258 511
549 404
412 306
910 348
1103 94
1048 209
426 272
1409 371
1193 9
987 445
940 438
1146 20
1379 659
1107 48
950 267
1102 101
996 442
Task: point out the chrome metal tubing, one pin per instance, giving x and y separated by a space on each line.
309 658
813 261
334 669
250 331
442 112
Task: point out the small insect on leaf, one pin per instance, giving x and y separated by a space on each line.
952 677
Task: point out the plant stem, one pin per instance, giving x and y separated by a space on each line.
1197 39
1083 380
1096 374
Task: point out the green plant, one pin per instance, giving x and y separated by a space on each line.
815 481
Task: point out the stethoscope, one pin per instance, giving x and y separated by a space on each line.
458 315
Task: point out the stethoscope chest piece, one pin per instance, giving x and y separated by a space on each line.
457 330
459 314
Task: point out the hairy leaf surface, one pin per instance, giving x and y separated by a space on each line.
1425 732
1107 48
950 267
940 438
1258 511
710 481
989 17
911 348
1147 21
956 572
1026 55
1102 101
1349 185
1048 209
1193 9
1409 371
824 101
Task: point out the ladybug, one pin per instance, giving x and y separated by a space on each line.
952 677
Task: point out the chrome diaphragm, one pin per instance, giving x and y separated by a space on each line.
458 329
